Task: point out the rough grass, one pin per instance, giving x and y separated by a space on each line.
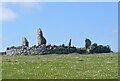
61 66
0 67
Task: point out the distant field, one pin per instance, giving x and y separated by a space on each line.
61 66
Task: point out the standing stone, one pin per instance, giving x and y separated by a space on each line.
40 39
63 45
87 43
25 42
69 44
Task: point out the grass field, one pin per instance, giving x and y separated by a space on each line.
61 66
0 67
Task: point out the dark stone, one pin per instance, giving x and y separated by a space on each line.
87 43
8 48
63 45
69 43
25 42
100 49
81 51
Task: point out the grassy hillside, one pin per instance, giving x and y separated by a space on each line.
0 67
61 66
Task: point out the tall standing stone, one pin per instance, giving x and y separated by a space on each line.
25 42
87 43
40 39
69 43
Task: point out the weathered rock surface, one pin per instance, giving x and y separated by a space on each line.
41 49
40 38
100 49
87 43
69 43
81 51
25 42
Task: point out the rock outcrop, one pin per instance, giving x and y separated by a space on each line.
94 48
42 48
100 49
87 43
40 38
25 42
69 43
